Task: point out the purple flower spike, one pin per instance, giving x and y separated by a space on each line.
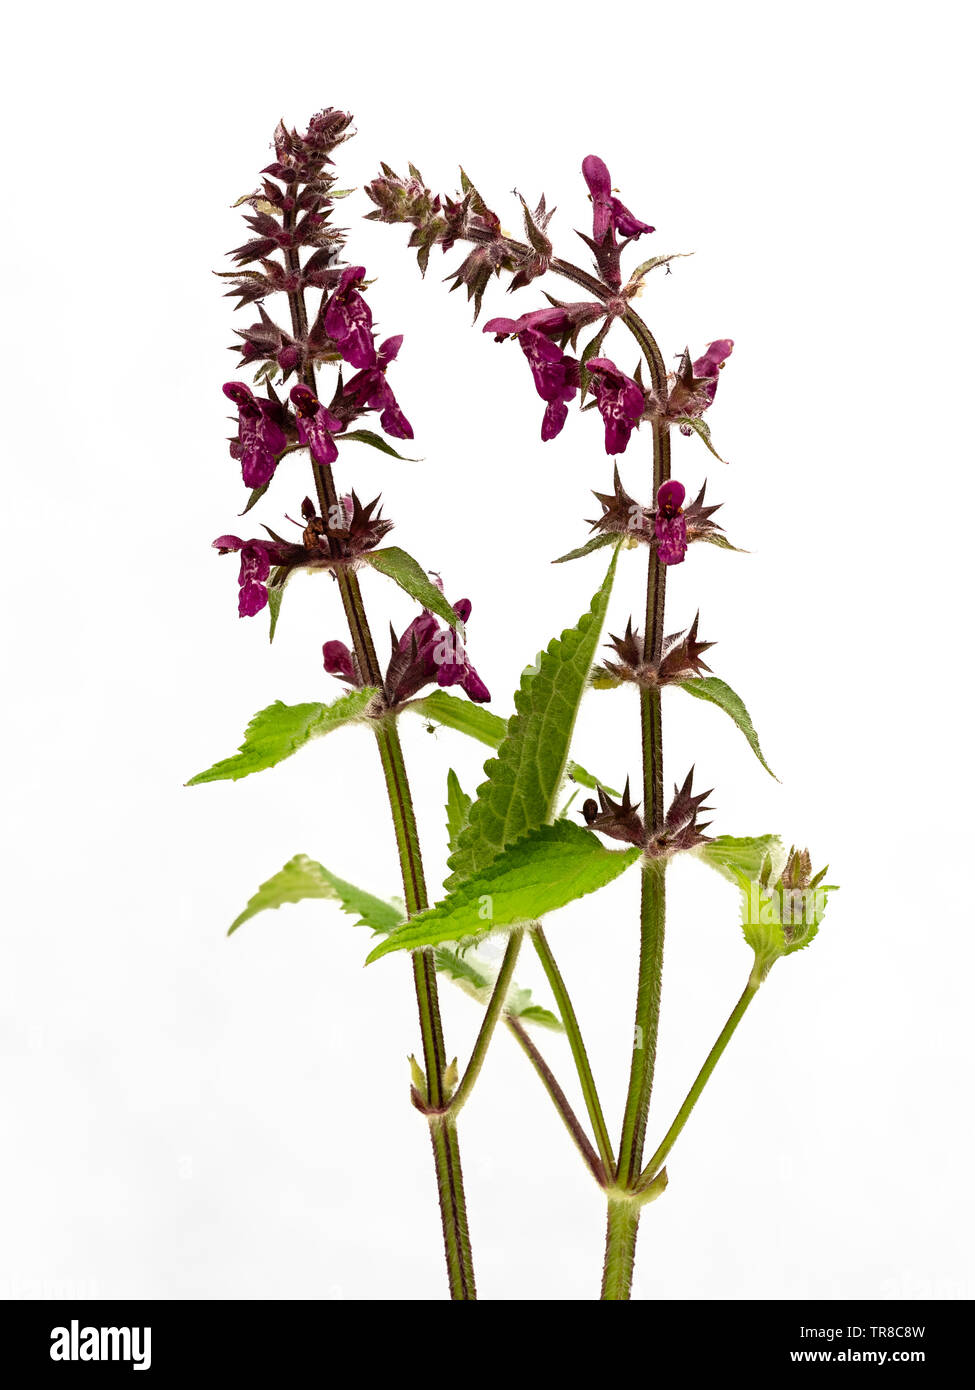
260 434
608 213
316 425
669 525
348 319
369 388
620 399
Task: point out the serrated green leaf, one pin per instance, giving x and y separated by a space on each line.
547 869
280 730
718 692
523 781
397 565
479 723
702 429
375 441
303 878
476 977
458 806
596 543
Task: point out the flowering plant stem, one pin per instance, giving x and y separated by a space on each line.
443 1131
623 1218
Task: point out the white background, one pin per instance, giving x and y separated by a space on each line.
185 1116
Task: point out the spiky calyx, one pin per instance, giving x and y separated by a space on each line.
617 819
680 659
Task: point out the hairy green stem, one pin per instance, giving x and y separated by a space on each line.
622 1220
580 1056
450 1186
652 911
703 1076
491 1015
572 1123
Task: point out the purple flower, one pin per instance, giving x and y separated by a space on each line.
425 653
316 425
559 321
695 383
260 434
608 213
340 662
556 375
552 322
669 525
620 399
369 388
348 319
706 368
255 567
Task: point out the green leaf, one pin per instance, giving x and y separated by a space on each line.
476 977
524 780
590 351
280 730
457 713
703 430
275 593
547 869
303 878
458 806
717 692
534 1013
654 261
376 441
595 543
775 921
409 575
740 858
477 722
720 539
256 494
